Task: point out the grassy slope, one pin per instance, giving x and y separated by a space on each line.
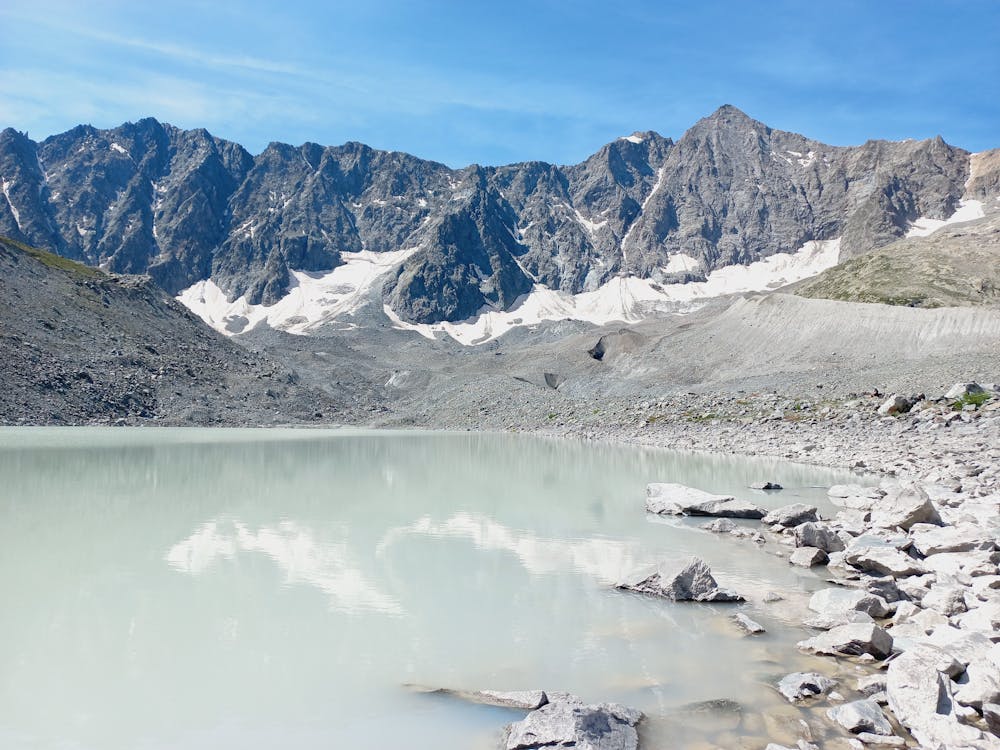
957 266
52 260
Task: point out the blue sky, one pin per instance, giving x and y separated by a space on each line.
503 81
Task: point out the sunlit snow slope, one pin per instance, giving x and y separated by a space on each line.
333 297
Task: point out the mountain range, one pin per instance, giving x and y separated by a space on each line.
184 207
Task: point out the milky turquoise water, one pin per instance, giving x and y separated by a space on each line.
279 588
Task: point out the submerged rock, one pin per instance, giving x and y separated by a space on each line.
604 726
690 581
766 486
747 625
720 526
799 686
522 699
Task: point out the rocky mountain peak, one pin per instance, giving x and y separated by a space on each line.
185 206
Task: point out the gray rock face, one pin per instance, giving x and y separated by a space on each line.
980 684
884 561
807 557
184 205
818 535
933 540
948 599
904 506
80 345
605 726
835 601
921 699
886 587
467 264
691 581
861 716
799 686
853 639
791 515
871 685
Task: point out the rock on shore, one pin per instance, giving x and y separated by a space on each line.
664 498
569 722
690 581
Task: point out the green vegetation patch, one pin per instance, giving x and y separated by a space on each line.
52 260
971 399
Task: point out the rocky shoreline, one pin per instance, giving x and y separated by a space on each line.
932 437
916 596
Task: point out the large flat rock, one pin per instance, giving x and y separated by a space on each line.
922 700
665 498
853 639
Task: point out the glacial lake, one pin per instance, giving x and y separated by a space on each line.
251 589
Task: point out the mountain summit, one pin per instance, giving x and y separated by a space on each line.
184 207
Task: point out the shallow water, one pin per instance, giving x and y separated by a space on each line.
278 588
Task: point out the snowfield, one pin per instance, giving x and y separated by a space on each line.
312 300
333 297
968 210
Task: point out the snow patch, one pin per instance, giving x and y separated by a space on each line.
681 263
628 298
590 226
968 210
803 160
660 175
312 299
634 138
119 148
6 194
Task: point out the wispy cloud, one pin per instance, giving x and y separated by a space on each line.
536 79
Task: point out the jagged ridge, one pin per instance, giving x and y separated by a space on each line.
185 206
